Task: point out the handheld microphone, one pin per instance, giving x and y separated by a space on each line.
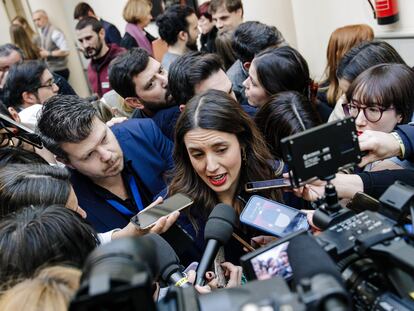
317 278
217 232
171 272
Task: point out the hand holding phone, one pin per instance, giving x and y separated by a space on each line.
273 217
156 211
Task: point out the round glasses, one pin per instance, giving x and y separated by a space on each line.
372 114
48 84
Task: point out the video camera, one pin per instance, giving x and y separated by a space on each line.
364 258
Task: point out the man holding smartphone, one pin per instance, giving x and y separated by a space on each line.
115 172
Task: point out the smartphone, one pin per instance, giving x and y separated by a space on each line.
254 186
147 217
272 217
269 261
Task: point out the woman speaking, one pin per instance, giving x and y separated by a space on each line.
218 149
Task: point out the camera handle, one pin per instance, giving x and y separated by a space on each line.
329 212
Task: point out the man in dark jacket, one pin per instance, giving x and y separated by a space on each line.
91 34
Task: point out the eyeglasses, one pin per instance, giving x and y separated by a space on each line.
48 84
372 114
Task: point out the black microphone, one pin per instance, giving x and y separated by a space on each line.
317 278
217 232
171 271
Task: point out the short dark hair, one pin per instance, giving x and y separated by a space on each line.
172 21
89 21
124 68
38 184
231 5
364 56
13 155
81 10
250 38
8 48
24 77
282 69
189 70
65 118
286 113
43 235
386 85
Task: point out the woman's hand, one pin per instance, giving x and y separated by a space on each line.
232 273
261 240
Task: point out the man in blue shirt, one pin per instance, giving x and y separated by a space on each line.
116 171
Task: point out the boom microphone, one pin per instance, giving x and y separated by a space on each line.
217 232
169 264
317 278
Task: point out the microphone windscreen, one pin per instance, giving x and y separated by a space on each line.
168 260
307 259
220 223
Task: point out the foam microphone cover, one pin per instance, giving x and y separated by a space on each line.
168 260
220 223
307 259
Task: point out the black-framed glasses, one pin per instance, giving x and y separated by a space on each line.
372 113
48 84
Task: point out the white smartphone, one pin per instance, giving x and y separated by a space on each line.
149 216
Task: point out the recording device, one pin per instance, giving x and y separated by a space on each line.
20 131
272 217
374 252
255 186
217 232
317 278
118 276
270 260
171 271
319 153
149 216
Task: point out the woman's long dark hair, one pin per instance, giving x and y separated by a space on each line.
217 110
286 113
283 69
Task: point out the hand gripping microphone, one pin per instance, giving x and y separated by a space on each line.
318 280
171 272
217 232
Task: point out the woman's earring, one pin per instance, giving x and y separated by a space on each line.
244 156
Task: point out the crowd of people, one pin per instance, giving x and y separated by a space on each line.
203 120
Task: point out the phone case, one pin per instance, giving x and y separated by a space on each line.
289 214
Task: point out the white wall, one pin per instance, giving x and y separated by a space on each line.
4 25
315 20
278 13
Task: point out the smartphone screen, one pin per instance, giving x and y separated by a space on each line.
273 217
267 184
271 263
149 216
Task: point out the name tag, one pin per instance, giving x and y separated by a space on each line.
105 85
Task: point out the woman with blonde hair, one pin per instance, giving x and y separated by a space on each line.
51 289
137 14
20 37
340 42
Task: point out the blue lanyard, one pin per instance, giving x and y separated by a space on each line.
137 197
